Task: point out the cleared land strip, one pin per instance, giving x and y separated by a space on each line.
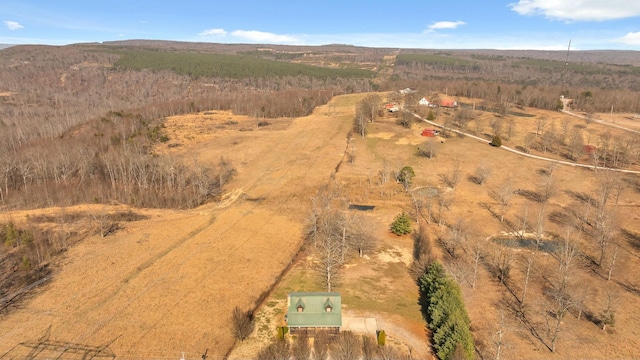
158 290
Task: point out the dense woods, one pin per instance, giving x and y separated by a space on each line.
197 65
534 82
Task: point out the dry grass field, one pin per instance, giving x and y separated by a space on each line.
169 283
379 285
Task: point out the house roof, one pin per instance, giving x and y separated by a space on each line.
314 312
448 102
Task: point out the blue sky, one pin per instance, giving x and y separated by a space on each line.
456 24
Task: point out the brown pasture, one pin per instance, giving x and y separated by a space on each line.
169 283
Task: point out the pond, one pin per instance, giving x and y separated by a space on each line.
529 243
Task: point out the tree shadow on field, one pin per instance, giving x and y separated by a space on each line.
520 312
633 238
581 197
633 182
530 195
508 224
633 289
560 218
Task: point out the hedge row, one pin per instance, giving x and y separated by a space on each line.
444 310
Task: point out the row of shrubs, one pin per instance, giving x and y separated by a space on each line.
444 311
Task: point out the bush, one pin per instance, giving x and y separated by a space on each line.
405 177
282 331
496 141
401 224
382 338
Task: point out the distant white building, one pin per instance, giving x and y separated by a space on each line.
425 102
406 91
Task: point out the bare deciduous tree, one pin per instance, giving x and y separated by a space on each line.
429 149
503 262
385 173
498 337
503 195
457 236
321 346
477 256
369 347
612 261
607 316
605 231
330 252
540 223
541 121
481 173
528 265
496 126
277 350
479 125
346 347
301 350
452 178
242 323
444 204
510 128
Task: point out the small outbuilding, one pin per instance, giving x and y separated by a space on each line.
430 132
391 107
312 312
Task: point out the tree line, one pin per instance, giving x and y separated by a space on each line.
107 160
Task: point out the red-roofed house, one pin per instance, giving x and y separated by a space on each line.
448 103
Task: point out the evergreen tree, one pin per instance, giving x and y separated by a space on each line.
443 308
401 224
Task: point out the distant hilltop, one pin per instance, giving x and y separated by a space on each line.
4 46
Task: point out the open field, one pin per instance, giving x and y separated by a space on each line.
168 283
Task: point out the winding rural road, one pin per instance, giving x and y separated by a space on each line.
535 156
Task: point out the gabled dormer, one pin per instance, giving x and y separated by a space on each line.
328 306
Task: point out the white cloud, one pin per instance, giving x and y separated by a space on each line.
581 10
266 37
444 25
632 38
213 32
13 25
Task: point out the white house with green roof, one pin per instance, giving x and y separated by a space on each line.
310 312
